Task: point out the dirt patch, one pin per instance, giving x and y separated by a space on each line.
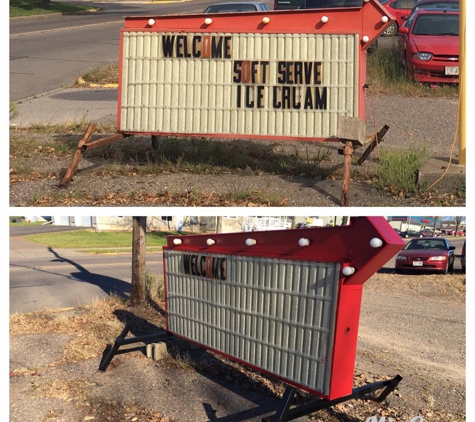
200 172
410 325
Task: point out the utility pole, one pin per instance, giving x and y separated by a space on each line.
219 224
462 87
139 226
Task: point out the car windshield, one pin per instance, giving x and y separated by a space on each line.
219 8
422 244
436 24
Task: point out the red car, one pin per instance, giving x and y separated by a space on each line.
426 254
400 10
429 46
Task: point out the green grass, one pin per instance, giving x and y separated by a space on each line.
22 8
23 222
397 170
97 242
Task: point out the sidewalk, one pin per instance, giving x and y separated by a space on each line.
68 106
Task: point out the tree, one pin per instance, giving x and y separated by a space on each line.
139 227
458 221
292 222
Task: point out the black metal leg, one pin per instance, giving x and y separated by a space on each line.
114 349
285 403
285 413
122 341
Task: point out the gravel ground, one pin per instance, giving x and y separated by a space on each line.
412 325
429 122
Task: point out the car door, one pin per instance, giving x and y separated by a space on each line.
451 252
400 9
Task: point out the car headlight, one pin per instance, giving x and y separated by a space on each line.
401 257
422 56
437 258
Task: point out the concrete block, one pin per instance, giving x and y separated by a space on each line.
351 129
160 351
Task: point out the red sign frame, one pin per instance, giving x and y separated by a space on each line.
368 22
361 248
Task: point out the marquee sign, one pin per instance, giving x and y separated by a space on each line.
278 74
286 302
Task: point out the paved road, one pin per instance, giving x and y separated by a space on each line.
48 53
49 278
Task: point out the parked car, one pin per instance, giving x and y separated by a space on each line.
426 254
410 233
400 10
426 233
429 46
286 4
315 4
431 4
453 233
235 6
437 4
462 258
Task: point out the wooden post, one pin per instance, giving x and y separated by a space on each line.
348 155
138 296
77 157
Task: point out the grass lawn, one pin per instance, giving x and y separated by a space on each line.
19 8
95 242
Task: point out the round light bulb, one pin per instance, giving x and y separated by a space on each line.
251 242
151 22
376 243
348 271
384 19
177 241
324 19
265 20
210 242
208 21
365 38
304 242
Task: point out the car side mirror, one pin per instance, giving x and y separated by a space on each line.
452 248
403 30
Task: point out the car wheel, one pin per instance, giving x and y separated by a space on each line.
451 267
446 271
391 30
463 270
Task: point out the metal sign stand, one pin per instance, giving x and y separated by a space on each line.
122 341
285 413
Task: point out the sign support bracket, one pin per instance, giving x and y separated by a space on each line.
84 144
285 413
121 340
